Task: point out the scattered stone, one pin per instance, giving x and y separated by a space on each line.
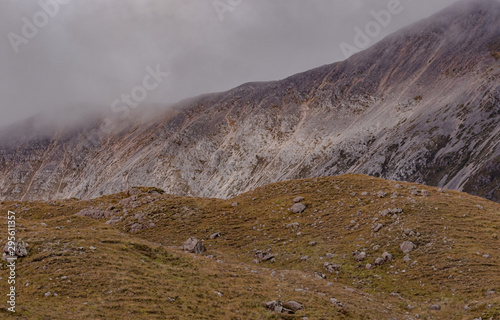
43 224
387 256
20 249
293 225
487 256
336 302
381 194
480 207
193 245
368 266
407 259
435 307
379 261
313 243
298 208
47 294
234 204
359 256
293 305
364 194
398 186
407 246
214 235
298 199
376 247
331 267
425 193
330 255
304 258
277 306
377 227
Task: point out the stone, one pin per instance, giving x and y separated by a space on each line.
425 193
313 243
298 199
368 266
94 214
381 194
214 235
331 267
387 256
379 261
407 246
336 302
304 258
234 204
20 249
435 307
268 257
330 255
407 259
359 256
293 225
293 305
377 227
193 245
298 208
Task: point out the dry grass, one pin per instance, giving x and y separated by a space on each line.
144 275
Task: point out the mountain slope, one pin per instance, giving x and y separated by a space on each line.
422 105
128 264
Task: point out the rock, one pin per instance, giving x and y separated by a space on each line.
376 247
435 307
359 256
368 266
137 227
298 199
268 257
313 243
43 224
47 294
425 193
407 259
134 191
331 267
234 204
293 225
398 186
364 194
214 235
381 194
487 256
20 249
304 258
193 245
377 227
329 255
387 256
293 305
298 208
275 306
407 246
336 302
379 261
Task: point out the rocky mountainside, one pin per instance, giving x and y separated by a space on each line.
422 105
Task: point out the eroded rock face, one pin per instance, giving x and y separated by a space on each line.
421 105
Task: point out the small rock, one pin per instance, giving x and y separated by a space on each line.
387 256
329 255
214 235
298 199
234 204
425 193
304 258
368 266
293 225
407 246
381 194
331 267
313 243
298 208
47 294
194 245
378 227
435 307
293 305
487 256
407 259
359 256
379 261
336 302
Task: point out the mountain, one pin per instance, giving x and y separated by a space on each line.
120 256
422 105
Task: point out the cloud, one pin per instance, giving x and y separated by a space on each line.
91 52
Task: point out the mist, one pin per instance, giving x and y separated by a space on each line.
96 53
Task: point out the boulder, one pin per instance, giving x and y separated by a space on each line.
387 256
298 208
293 305
407 246
194 245
359 256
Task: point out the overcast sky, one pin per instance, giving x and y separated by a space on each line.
92 52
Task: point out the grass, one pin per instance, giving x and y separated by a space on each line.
145 275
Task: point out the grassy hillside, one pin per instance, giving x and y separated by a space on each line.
129 265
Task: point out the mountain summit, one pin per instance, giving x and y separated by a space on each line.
422 105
